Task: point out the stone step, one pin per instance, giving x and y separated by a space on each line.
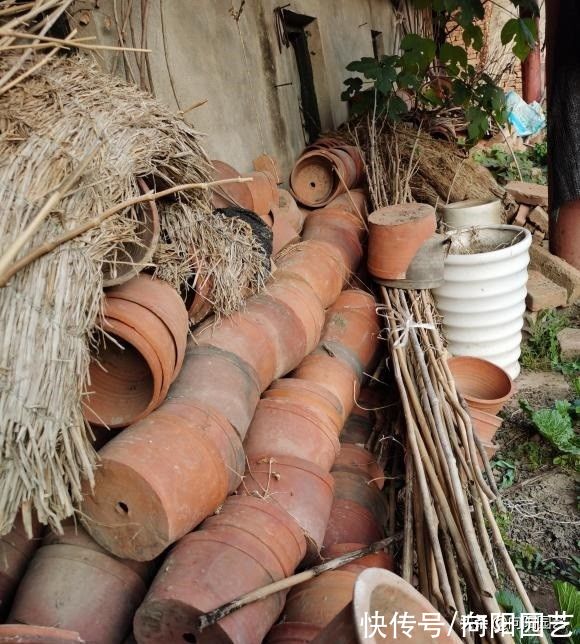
543 293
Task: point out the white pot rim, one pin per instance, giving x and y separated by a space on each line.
494 255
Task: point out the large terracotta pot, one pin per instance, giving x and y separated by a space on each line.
485 425
341 630
229 194
285 328
357 430
218 430
80 589
283 233
292 633
383 591
25 634
395 235
345 240
484 385
126 379
283 428
337 218
351 522
315 177
379 559
148 489
319 600
16 550
264 193
354 201
202 572
273 527
288 210
334 374
356 488
358 301
249 339
319 265
302 489
200 304
357 460
221 381
299 296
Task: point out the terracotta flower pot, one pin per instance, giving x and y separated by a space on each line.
126 379
369 401
24 634
485 425
345 240
354 299
395 235
351 522
388 593
355 155
201 573
337 218
218 430
283 233
310 396
163 300
357 460
292 633
356 488
334 374
314 179
282 428
128 259
264 193
379 559
319 600
354 201
221 381
300 488
230 194
288 210
147 490
80 589
16 550
484 385
357 430
319 265
273 527
286 330
250 340
295 293
341 630
490 449
200 305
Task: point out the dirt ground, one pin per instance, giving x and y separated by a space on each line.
542 529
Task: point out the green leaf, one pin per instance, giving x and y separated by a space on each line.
453 57
368 67
568 598
473 36
385 79
396 107
555 425
353 87
477 123
523 33
419 52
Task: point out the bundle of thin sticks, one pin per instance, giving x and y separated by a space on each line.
451 536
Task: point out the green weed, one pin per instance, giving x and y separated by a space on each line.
541 352
500 162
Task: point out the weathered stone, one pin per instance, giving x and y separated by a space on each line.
569 340
538 236
543 293
521 215
539 217
532 194
557 270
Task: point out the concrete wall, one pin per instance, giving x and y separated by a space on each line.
252 88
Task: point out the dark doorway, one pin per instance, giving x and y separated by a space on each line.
378 44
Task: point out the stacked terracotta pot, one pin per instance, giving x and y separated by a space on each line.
145 325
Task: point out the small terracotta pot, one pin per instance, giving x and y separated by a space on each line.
319 600
126 379
201 304
379 559
319 265
283 326
357 460
337 218
147 490
355 155
273 527
484 385
341 630
325 142
16 550
314 179
356 488
286 429
128 259
163 300
334 374
221 381
300 488
292 633
288 210
354 201
283 233
395 235
295 293
485 425
345 240
351 522
370 400
218 430
354 299
246 338
203 572
310 396
230 194
264 193
389 594
50 593
357 430
24 634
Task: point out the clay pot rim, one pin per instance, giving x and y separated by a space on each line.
305 160
405 210
501 373
485 417
48 633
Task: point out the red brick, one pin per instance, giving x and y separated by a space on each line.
543 293
532 194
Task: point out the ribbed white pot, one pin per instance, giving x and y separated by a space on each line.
482 299
473 212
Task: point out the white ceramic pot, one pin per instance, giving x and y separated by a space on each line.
472 212
482 299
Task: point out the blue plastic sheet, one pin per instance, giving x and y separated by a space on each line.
526 119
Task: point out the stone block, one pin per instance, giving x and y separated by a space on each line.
538 236
539 217
543 293
557 270
521 215
532 194
569 340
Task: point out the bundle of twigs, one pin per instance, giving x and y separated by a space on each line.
451 537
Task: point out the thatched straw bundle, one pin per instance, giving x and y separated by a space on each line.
64 114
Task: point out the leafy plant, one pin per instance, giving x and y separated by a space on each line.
434 74
568 598
508 473
542 350
500 162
